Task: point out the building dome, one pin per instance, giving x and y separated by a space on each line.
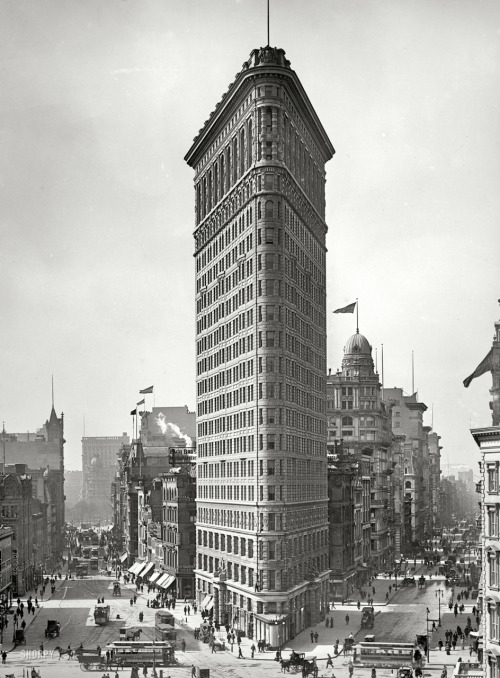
358 345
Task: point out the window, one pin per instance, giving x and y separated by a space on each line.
271 493
493 567
347 421
494 626
493 521
271 521
271 466
492 478
271 576
271 441
271 550
269 235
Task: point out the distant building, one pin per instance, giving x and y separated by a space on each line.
44 451
99 466
6 534
73 487
361 465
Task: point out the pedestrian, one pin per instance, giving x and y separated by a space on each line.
359 605
240 653
193 671
373 590
312 636
331 622
390 588
440 643
183 645
347 620
252 650
329 661
351 669
327 623
316 636
4 657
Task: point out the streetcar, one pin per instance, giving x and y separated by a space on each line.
127 653
384 655
94 563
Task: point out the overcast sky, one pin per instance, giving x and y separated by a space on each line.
101 100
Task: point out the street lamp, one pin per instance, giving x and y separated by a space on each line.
439 593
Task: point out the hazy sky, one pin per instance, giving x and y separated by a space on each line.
101 100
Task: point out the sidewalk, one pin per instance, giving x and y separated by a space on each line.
29 618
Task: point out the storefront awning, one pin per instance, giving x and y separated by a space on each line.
154 577
210 604
166 581
146 569
270 618
205 602
136 567
123 557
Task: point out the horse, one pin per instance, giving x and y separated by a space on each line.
62 652
285 665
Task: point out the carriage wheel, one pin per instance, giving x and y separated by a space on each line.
85 667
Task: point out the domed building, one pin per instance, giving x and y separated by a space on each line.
362 534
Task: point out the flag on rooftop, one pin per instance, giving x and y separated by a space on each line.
141 402
149 389
134 412
486 365
347 309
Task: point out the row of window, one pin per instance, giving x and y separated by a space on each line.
243 444
305 518
236 492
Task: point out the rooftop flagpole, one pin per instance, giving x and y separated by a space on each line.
357 316
268 32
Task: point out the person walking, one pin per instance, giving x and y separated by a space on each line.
329 661
316 636
240 653
252 650
312 636
347 620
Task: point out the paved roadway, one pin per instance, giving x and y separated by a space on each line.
397 620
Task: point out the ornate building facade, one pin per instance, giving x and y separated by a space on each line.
262 514
359 425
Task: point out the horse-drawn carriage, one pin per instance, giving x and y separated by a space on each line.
299 661
53 628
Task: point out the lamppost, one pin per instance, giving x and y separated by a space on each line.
427 623
439 593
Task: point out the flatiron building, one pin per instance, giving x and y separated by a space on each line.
262 519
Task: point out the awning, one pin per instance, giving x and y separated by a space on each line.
123 557
146 569
136 567
205 601
166 581
210 604
154 577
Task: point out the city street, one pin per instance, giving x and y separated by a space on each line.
397 620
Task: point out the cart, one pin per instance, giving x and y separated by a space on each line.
19 637
53 628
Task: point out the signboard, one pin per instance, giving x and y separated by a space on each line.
182 455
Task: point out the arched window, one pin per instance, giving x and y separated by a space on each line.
346 421
269 209
408 485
